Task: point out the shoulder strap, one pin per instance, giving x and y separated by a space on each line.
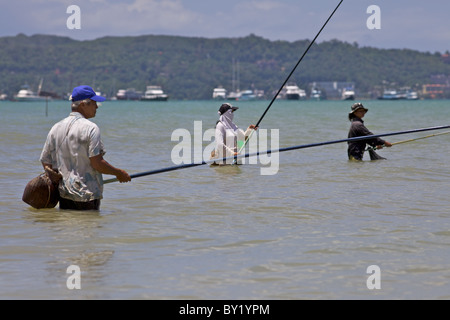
69 126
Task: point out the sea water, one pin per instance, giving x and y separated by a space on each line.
313 230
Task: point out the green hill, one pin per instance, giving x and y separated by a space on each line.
189 68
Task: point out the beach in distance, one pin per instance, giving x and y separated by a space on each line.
320 227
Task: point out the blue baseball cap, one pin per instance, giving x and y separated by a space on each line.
85 92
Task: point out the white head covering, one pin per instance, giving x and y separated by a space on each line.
227 120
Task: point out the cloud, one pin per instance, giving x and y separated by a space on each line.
106 17
405 23
261 6
167 14
98 17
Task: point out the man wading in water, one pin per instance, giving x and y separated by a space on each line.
75 149
357 129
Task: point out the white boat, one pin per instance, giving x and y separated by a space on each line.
412 95
390 95
128 94
247 95
348 94
404 93
259 94
407 93
233 95
293 92
26 94
154 93
219 93
316 94
3 96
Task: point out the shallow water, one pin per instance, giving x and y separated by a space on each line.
310 231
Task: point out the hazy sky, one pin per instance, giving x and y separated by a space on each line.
413 24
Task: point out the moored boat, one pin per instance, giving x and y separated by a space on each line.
247 95
316 94
412 95
233 95
404 93
128 94
154 93
293 92
348 94
408 93
25 94
219 93
390 95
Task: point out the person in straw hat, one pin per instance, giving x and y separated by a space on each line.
357 129
74 148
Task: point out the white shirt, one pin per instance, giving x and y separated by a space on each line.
69 145
226 141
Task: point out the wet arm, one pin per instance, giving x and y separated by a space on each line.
102 166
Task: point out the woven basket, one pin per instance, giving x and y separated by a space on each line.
42 191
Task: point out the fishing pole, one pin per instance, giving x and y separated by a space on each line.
288 77
411 140
304 146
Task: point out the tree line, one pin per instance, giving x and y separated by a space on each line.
190 68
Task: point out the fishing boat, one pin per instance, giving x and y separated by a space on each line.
154 93
293 92
25 94
128 94
219 93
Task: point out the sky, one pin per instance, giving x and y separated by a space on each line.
421 25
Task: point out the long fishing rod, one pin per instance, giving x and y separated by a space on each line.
304 146
289 76
411 140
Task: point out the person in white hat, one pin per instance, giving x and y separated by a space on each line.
357 129
228 134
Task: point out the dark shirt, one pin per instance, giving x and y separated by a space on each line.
356 148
